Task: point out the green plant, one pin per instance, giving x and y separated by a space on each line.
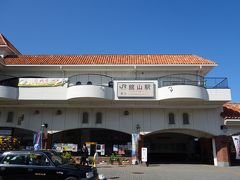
91 160
67 156
115 157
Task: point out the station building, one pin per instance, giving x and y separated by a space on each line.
103 99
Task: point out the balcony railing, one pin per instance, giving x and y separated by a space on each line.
216 83
6 80
103 80
90 79
181 79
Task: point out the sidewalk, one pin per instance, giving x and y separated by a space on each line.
169 172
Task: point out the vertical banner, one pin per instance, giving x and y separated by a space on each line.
37 140
236 140
134 148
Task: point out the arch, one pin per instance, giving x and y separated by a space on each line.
191 132
19 137
104 137
179 146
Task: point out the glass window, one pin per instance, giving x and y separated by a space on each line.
85 118
185 118
19 159
171 118
38 160
99 118
10 117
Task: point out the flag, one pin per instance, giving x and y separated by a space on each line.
37 140
236 140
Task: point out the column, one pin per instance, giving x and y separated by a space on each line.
222 151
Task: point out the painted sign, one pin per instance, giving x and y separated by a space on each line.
236 140
135 89
41 82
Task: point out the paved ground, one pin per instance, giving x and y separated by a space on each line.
170 172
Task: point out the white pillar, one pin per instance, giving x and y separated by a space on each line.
214 152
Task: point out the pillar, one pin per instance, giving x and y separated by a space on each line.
140 145
222 151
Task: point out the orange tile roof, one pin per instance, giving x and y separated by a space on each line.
231 111
5 42
116 59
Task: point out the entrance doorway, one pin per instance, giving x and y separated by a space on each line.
96 139
178 148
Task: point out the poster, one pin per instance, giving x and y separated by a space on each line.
115 147
236 140
60 147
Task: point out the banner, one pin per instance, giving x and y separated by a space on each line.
41 82
134 148
37 140
236 140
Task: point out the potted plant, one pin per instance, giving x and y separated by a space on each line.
115 159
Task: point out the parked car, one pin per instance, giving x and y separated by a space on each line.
41 165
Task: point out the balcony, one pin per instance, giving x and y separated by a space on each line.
100 87
190 86
8 87
93 86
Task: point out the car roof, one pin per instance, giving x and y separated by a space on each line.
24 152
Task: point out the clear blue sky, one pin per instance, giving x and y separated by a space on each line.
209 28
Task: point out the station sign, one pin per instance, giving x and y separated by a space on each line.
135 89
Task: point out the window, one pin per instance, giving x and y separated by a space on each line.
185 118
89 83
99 118
10 117
37 159
78 83
19 159
171 118
85 118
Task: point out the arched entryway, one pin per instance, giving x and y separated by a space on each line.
110 139
179 146
15 138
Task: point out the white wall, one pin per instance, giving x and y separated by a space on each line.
150 120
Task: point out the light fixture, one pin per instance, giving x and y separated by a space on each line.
126 113
59 112
45 125
138 128
36 112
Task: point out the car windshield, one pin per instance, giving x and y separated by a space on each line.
56 158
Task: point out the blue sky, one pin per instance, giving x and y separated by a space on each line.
209 28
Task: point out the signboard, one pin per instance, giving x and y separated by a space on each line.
144 154
41 82
135 89
60 147
5 132
236 140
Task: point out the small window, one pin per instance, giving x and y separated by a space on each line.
10 117
99 118
89 83
110 84
171 118
85 118
185 118
78 83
